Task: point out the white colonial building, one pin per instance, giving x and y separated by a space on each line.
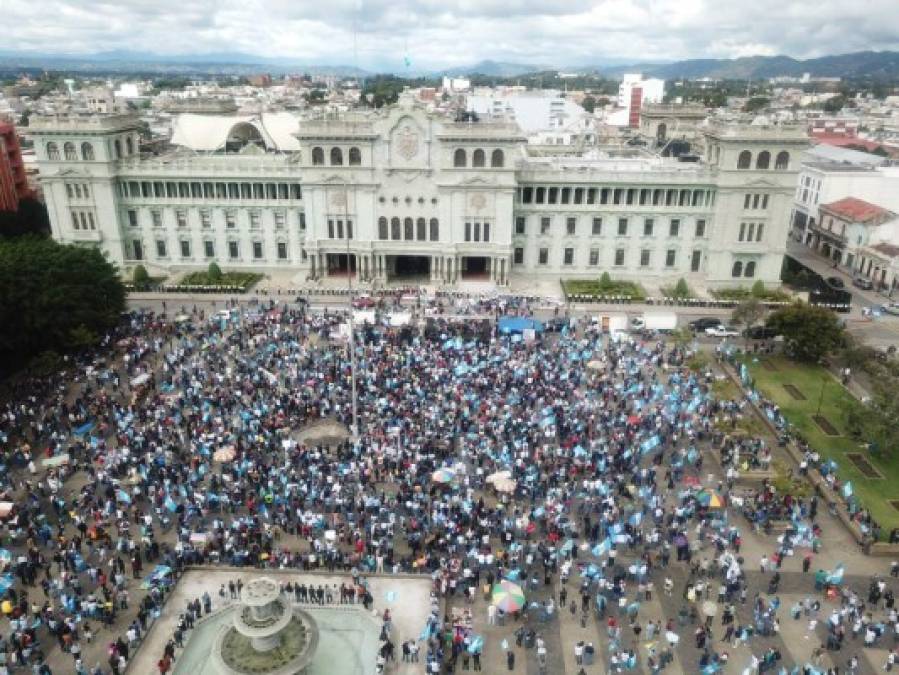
408 193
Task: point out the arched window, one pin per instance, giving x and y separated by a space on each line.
52 151
407 229
763 161
355 157
661 132
737 269
129 145
117 148
478 159
435 230
394 228
382 228
750 269
459 158
336 157
318 157
420 227
782 163
69 151
87 152
497 159
745 160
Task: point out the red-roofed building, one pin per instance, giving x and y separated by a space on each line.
855 143
846 225
13 180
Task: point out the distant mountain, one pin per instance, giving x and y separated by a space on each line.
496 69
880 65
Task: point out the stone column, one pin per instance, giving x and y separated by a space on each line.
312 263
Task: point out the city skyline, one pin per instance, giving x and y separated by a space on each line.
421 35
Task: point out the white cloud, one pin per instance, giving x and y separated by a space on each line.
442 33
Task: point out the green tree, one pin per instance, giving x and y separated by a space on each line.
681 289
835 104
755 104
214 272
873 420
589 104
809 332
747 314
605 280
139 276
54 297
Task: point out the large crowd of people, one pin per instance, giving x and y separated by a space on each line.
192 439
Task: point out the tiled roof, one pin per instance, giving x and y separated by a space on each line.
857 210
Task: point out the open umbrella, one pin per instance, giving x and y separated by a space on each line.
225 454
505 484
443 475
508 596
596 365
499 475
710 499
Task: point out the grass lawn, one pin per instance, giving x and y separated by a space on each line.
240 279
808 379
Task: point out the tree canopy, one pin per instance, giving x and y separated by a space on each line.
810 332
54 297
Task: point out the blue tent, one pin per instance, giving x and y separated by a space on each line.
518 324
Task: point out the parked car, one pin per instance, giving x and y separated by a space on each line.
704 323
863 283
760 333
363 302
722 331
834 282
892 308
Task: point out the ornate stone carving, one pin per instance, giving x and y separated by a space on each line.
407 142
338 198
478 201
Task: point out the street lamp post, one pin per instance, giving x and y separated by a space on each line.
354 428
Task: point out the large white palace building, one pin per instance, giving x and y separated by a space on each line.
405 192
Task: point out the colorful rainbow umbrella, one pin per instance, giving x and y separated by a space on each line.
710 499
508 596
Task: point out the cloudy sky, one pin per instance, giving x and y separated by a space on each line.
446 33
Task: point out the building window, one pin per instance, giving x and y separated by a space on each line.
205 218
695 261
420 228
434 227
644 257
543 256
349 229
737 269
185 248
594 257
69 151
758 231
518 256
540 195
496 159
257 250
395 228
156 217
355 157
597 226
87 152
117 149
782 163
382 228
280 220
570 225
486 231
750 269
230 220
70 191
160 248
478 159
763 161
330 229
619 257
138 249
477 231
52 151
209 248
233 250
77 191
282 250
674 228
302 216
647 227
132 218
765 201
742 234
129 146
755 201
255 220
744 161
459 158
318 157
544 225
670 257
622 227
700 228
181 218
76 225
568 256
520 225
336 157
407 229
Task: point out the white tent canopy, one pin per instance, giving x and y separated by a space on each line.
209 133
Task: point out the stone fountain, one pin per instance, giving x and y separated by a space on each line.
268 635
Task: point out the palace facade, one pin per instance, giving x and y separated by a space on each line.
406 193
